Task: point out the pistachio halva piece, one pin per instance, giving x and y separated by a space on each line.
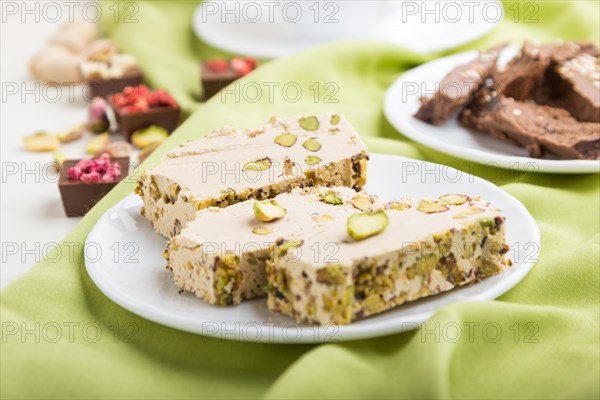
313 271
233 165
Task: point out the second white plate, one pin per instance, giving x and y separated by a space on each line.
402 101
124 259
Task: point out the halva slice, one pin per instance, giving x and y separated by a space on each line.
232 165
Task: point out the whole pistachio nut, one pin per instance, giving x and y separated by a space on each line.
335 119
97 143
312 145
286 139
150 135
258 165
431 207
363 225
454 199
268 210
309 123
41 141
312 160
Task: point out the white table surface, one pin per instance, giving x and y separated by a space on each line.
30 207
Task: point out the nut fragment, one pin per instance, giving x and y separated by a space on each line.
116 149
322 217
309 123
362 203
363 225
454 199
262 230
150 135
331 198
258 165
288 245
335 119
286 139
59 159
431 207
468 211
312 160
41 141
268 210
312 145
71 134
97 143
397 205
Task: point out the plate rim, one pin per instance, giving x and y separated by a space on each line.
403 128
345 332
204 33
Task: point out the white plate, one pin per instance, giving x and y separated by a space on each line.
257 29
402 102
124 259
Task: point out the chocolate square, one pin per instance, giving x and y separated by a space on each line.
166 117
79 197
213 81
98 87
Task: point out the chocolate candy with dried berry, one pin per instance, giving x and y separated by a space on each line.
217 73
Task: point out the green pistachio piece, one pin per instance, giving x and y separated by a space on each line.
312 145
309 123
366 224
59 159
286 139
268 210
487 223
286 246
362 203
262 230
312 160
150 135
397 205
258 165
335 119
454 199
431 207
97 143
331 198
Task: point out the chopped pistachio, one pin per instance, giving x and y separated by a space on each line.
59 159
362 203
286 246
469 211
97 143
454 199
431 207
41 141
312 145
331 198
150 135
262 230
322 218
258 165
309 123
397 205
487 223
268 210
366 224
335 119
312 160
286 139
71 134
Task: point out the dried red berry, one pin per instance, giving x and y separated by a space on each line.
242 65
217 65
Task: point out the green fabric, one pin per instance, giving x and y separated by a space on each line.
558 302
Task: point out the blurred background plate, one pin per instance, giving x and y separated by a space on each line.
271 29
